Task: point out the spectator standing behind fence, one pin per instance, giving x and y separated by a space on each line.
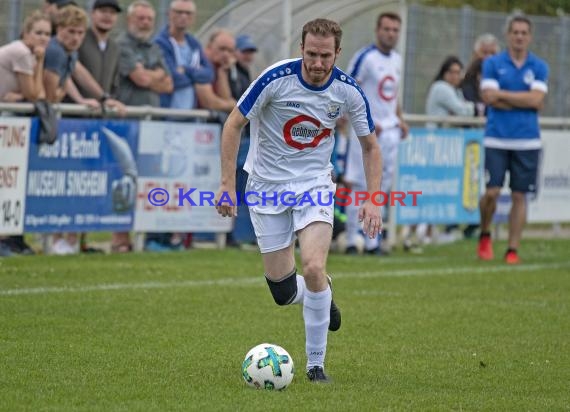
188 66
445 99
143 73
21 71
514 85
51 7
184 56
220 53
444 96
21 61
61 60
99 55
486 45
59 63
377 68
239 77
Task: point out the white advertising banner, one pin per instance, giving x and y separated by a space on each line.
179 173
14 145
552 200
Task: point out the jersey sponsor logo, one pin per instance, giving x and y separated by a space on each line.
387 88
333 110
293 104
303 131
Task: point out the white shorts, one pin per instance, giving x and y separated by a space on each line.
288 207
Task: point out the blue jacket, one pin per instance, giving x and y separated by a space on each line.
198 71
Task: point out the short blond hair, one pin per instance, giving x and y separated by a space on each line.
71 16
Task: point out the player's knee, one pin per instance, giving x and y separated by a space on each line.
313 268
284 291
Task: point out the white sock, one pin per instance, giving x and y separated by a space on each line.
316 312
300 290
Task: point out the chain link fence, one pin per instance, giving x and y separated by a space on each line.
436 32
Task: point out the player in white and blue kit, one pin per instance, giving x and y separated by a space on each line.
293 107
514 84
377 68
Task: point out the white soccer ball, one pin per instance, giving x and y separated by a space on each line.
268 366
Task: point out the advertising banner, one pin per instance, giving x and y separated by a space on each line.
15 133
86 180
179 173
552 199
446 166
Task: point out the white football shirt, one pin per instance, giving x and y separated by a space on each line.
292 122
379 77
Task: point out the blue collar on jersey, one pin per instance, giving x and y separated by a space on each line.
298 69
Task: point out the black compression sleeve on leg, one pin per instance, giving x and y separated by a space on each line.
285 290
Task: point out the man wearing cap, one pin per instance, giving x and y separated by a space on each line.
240 78
51 7
99 54
184 56
239 75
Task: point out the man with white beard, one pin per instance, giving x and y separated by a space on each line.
142 70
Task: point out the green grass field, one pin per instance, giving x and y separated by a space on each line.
159 332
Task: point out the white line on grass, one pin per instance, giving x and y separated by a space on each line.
258 279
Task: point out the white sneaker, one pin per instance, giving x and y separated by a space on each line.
62 247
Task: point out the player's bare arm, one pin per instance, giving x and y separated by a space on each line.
230 145
369 213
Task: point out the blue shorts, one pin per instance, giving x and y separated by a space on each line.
521 164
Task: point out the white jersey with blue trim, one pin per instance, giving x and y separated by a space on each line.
292 122
379 76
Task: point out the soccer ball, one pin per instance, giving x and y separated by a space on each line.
268 366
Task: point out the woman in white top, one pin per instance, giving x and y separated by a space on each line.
21 61
445 97
21 71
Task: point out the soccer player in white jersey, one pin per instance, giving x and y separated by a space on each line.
293 107
377 68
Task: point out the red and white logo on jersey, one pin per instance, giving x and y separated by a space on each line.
387 88
303 131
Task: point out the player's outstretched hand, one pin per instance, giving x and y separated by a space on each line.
226 202
369 215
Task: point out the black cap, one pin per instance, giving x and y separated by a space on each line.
107 3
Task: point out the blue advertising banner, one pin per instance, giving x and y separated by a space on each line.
446 165
86 180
